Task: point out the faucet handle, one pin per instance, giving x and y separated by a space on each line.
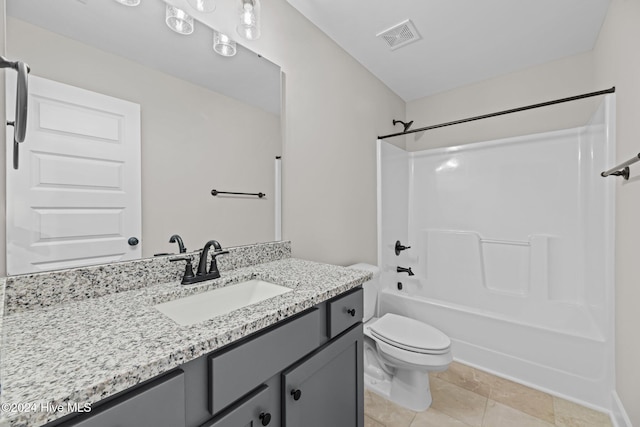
188 269
213 267
177 239
400 247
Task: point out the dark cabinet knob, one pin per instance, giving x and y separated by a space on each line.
296 394
352 312
265 417
133 241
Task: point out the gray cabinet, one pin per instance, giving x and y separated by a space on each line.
242 367
159 403
305 371
344 311
257 409
326 388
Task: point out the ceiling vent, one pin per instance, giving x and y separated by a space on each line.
400 35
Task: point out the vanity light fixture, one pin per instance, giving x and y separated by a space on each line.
129 2
223 45
179 21
203 5
249 23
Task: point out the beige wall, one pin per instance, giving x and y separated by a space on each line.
193 140
334 110
618 63
558 79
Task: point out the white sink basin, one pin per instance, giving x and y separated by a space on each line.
207 305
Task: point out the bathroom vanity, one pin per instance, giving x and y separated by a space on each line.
290 360
304 371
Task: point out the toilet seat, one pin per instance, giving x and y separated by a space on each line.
410 335
421 362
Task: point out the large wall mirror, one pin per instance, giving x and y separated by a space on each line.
206 122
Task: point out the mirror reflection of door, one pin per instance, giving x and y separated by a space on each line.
75 200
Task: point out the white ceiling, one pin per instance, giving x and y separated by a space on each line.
463 41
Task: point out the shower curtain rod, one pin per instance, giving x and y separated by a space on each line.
500 113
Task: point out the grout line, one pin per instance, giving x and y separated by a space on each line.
412 419
486 402
484 413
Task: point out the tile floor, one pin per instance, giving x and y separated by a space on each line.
467 397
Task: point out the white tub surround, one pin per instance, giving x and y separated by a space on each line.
512 250
84 350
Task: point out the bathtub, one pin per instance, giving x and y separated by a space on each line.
512 246
538 354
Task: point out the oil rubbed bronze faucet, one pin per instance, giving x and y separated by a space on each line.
202 274
213 272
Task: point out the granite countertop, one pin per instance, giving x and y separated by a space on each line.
84 351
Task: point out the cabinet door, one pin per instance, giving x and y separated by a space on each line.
326 388
255 410
159 403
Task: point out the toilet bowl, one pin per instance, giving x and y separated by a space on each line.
399 352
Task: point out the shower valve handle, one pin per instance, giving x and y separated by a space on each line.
400 247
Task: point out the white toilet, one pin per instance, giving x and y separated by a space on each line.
400 351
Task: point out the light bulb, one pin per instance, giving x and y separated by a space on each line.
179 21
203 5
249 19
223 45
129 2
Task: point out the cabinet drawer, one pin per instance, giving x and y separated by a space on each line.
159 403
255 410
250 363
344 312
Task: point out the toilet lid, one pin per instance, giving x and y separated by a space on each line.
410 334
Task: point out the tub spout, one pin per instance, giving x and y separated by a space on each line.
405 270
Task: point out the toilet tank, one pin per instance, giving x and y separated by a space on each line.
370 289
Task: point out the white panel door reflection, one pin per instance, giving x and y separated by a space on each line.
75 200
